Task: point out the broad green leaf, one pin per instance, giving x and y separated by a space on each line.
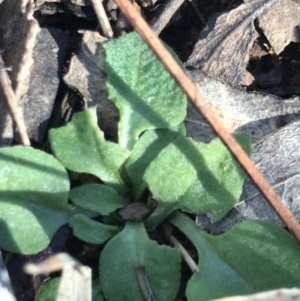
252 257
49 290
195 177
92 231
34 189
74 209
122 256
143 91
144 152
97 197
81 147
180 128
97 294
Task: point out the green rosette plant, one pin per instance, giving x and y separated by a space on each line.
153 166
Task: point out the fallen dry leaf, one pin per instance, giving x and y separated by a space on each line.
223 47
17 37
280 34
48 55
254 113
86 75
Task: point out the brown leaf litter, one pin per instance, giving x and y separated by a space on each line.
223 47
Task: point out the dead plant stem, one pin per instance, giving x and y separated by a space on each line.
13 103
102 18
184 253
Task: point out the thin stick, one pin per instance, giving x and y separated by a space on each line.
203 108
185 255
169 9
102 18
13 103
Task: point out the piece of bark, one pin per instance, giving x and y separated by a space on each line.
281 34
48 56
253 113
18 31
277 156
86 75
223 48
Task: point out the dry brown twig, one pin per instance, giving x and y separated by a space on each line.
102 18
168 11
203 108
165 16
13 103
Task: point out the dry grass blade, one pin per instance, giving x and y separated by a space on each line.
201 105
102 18
185 255
13 103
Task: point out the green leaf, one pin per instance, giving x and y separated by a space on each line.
180 128
130 249
252 257
97 294
97 197
143 91
34 190
195 177
144 152
91 231
81 147
49 290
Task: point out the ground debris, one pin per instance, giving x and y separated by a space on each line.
280 35
17 38
48 55
86 75
223 48
254 113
